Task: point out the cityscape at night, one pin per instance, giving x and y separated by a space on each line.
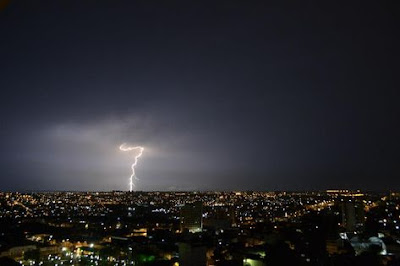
199 133
334 227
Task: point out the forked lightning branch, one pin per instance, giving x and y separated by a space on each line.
138 152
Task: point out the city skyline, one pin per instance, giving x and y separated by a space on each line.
223 96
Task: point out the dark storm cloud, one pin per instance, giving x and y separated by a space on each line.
223 96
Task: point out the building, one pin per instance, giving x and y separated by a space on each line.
352 214
221 218
192 254
16 252
192 217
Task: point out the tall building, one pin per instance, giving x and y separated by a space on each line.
192 217
352 214
221 218
192 254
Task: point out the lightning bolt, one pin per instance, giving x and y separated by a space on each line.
123 147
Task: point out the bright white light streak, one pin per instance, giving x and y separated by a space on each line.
139 151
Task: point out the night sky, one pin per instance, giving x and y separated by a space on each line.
223 95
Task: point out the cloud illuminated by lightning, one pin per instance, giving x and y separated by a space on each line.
140 150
